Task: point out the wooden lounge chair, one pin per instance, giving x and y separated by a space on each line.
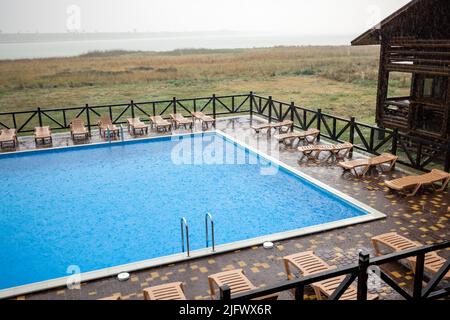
203 118
237 282
43 135
179 120
308 264
169 291
414 183
77 130
367 164
278 125
308 136
105 124
396 242
160 124
338 151
113 297
136 126
8 139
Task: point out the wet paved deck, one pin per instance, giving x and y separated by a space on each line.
424 218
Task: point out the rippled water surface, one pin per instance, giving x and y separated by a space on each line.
101 206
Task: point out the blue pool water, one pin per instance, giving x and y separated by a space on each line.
102 206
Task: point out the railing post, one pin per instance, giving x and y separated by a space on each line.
233 106
299 293
270 109
259 109
174 104
363 265
292 107
39 116
371 140
14 120
319 122
65 118
214 105
394 141
280 113
132 108
88 118
225 293
447 159
110 113
250 96
304 126
352 135
418 276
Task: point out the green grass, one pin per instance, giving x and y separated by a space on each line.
340 80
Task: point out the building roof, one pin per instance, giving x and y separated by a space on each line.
419 19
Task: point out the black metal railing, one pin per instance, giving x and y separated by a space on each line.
414 152
360 272
59 118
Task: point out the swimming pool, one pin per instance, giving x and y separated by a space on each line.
100 206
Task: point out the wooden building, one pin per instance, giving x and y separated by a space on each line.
415 41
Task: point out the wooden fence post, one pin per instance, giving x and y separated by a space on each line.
88 118
352 135
319 122
132 108
174 102
39 116
280 113
270 109
214 105
251 103
418 276
363 265
292 107
154 108
299 293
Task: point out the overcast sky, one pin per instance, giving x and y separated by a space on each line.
308 17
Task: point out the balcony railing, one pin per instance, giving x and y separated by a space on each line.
414 152
359 272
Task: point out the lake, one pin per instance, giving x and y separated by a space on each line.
22 46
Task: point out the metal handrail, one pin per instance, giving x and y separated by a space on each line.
209 216
183 223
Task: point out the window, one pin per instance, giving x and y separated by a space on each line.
428 88
434 88
399 84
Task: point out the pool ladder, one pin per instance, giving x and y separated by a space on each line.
185 233
108 134
184 227
208 217
122 137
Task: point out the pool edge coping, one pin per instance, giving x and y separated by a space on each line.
372 215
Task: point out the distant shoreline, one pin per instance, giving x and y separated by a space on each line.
29 46
86 36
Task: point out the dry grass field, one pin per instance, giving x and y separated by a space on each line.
340 80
